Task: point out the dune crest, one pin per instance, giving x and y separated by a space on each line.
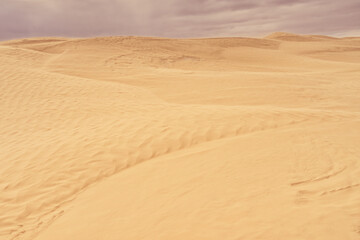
284 36
157 138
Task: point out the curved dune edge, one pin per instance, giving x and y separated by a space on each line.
224 188
144 138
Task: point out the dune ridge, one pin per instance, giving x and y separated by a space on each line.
234 135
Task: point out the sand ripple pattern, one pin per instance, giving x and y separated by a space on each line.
60 134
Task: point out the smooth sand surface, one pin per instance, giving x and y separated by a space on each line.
152 138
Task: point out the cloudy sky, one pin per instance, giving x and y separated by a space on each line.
177 18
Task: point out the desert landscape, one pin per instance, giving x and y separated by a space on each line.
164 138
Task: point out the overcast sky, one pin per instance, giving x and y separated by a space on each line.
177 18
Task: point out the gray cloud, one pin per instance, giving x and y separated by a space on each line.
176 18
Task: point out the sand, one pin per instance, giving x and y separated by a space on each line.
154 138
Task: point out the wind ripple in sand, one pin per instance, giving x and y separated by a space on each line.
60 134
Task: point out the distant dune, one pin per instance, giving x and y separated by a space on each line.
155 138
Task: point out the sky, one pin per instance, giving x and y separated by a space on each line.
177 18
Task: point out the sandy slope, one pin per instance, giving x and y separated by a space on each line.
151 138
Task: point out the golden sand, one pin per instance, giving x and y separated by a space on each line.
198 139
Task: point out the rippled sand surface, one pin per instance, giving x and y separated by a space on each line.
152 138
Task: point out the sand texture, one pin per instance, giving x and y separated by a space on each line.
198 139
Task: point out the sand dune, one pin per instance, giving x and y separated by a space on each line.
155 138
